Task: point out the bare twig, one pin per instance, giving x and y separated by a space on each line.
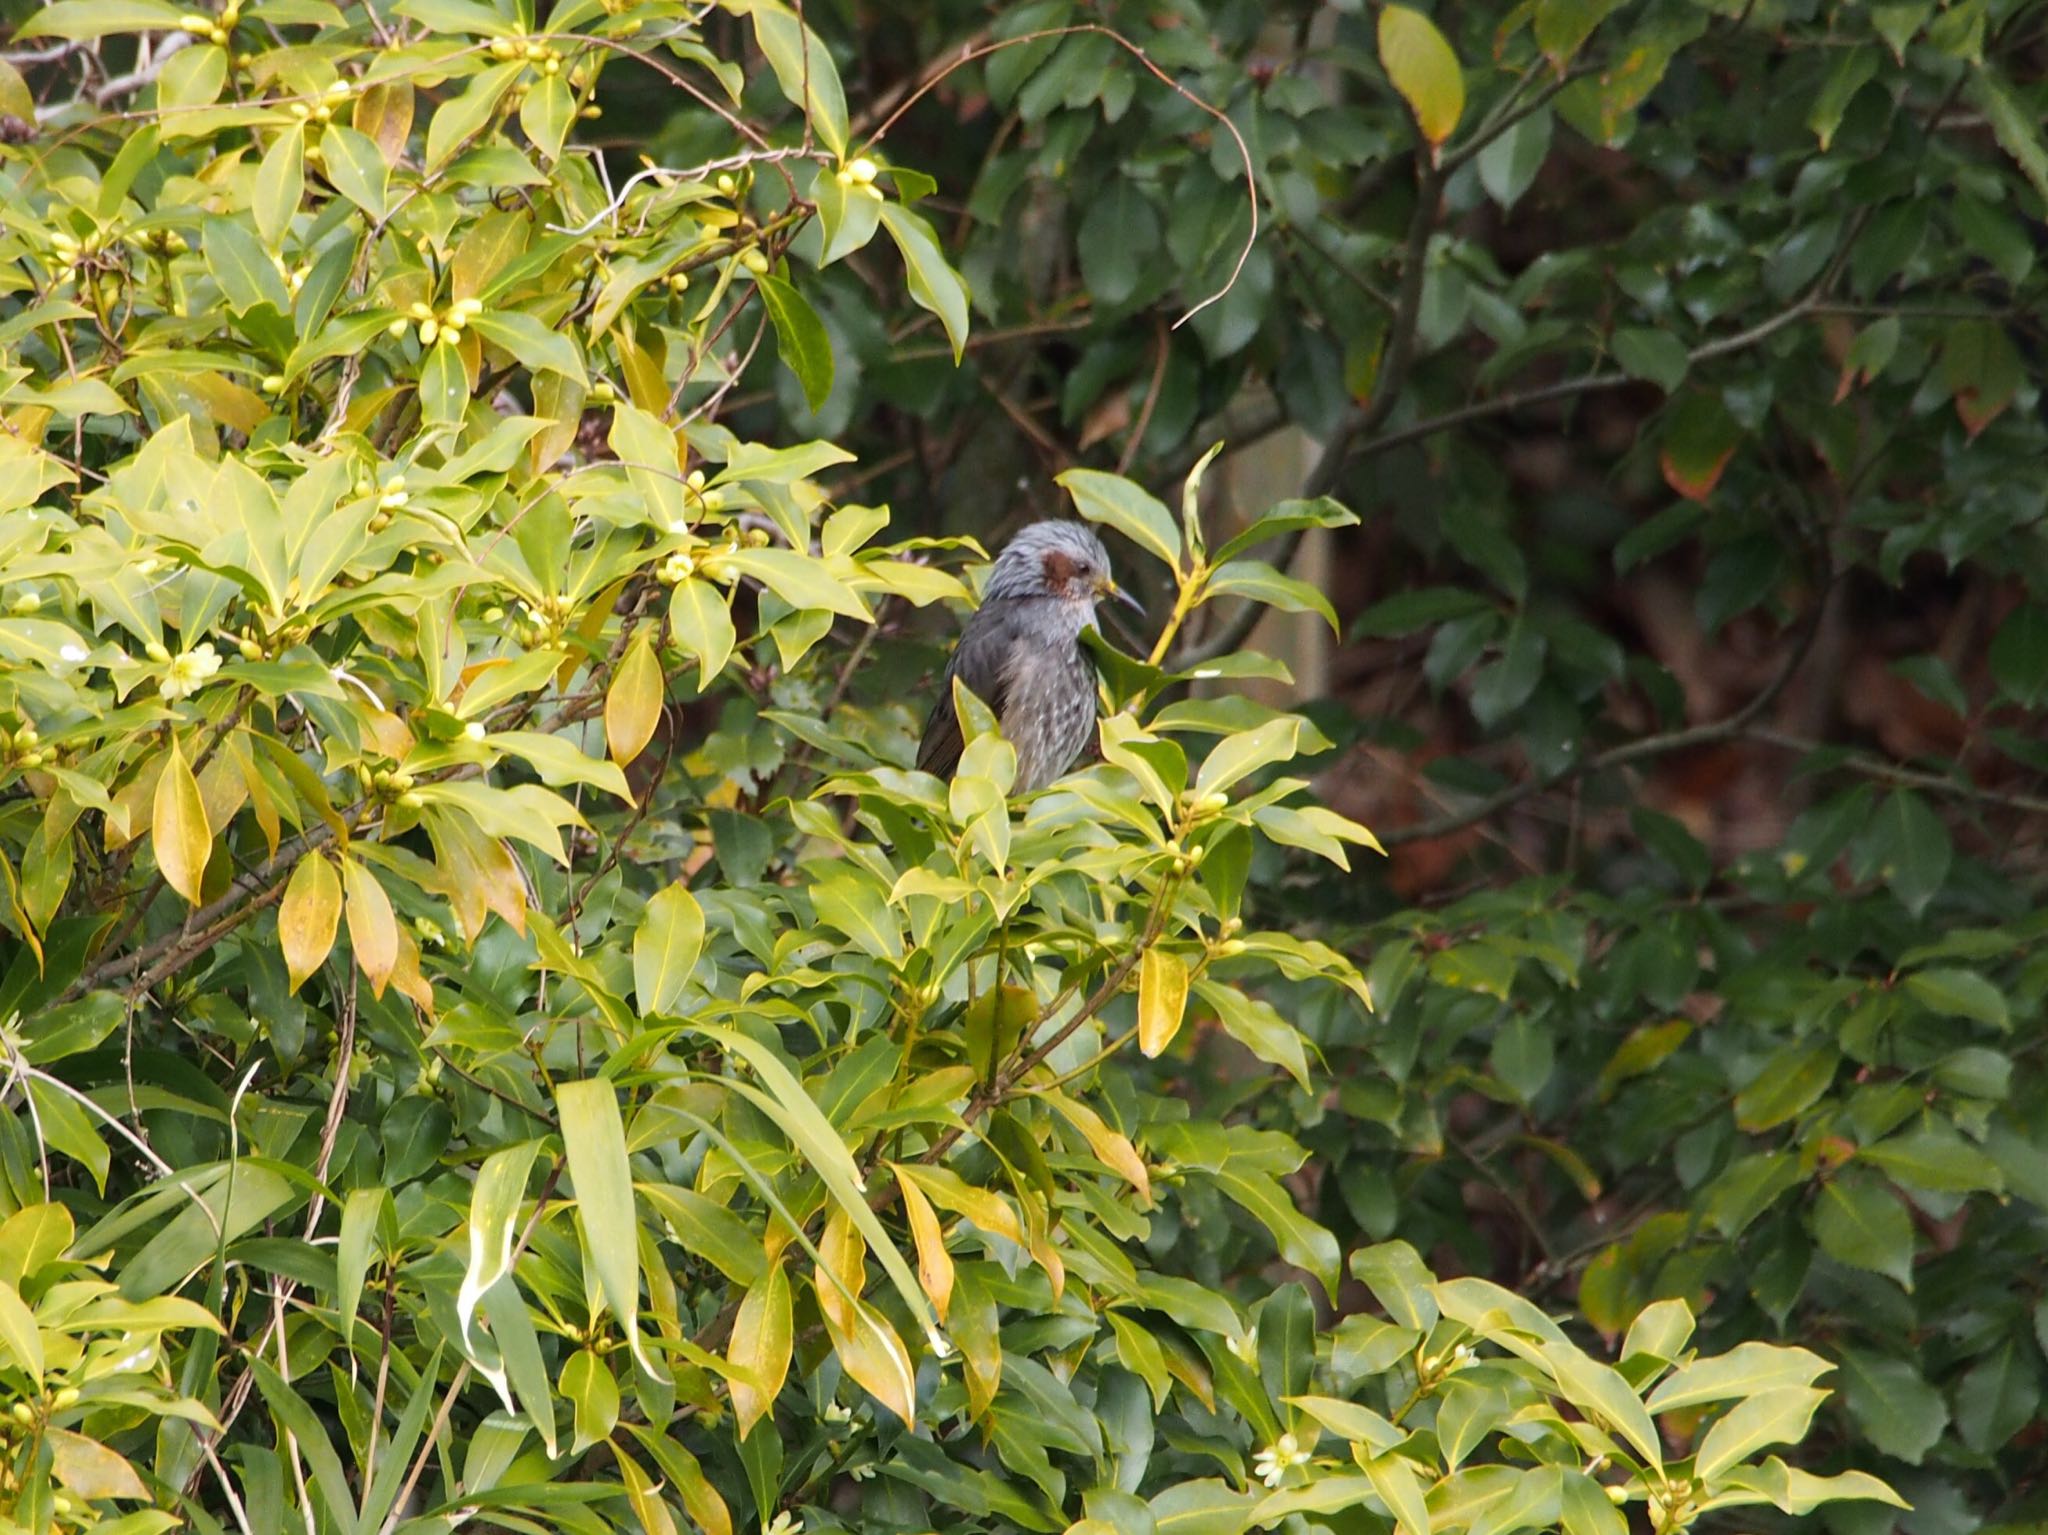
118 86
969 55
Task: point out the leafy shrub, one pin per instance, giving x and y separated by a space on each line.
463 1066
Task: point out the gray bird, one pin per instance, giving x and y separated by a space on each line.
1021 654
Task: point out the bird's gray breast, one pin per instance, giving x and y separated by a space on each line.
1048 707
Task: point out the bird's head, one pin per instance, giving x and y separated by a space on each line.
1060 560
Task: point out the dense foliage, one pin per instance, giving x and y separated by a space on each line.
493 1033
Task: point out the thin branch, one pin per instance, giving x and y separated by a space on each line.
114 88
686 173
1251 180
1564 389
1871 766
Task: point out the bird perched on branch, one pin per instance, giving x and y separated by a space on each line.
1021 653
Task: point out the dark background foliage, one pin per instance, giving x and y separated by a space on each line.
1694 640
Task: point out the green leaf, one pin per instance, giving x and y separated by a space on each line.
1115 502
1935 1157
20 1335
1898 1411
1257 581
1422 67
2017 126
1285 517
547 114
701 624
1960 994
1997 1399
934 285
356 169
83 20
531 342
1241 755
1770 1417
1915 848
800 337
494 1202
243 268
1562 27
1257 1025
594 1140
1749 1369
1700 436
811 1133
1508 165
1656 355
1118 242
803 68
1393 1478
444 385
665 949
1860 1223
280 183
2019 655
1853 69
292 1412
1202 1507
593 1394
801 581
1301 1241
460 118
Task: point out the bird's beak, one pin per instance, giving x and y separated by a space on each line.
1110 589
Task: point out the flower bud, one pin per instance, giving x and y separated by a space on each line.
156 652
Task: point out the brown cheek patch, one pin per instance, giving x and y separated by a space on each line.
1060 571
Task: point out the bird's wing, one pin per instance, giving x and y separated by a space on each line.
981 661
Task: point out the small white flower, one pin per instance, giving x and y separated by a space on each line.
189 671
861 1472
474 730
834 1413
71 653
785 1523
1247 1347
1462 1355
1273 1464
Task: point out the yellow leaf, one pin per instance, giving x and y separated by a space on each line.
1112 1148
934 1263
308 917
760 1348
949 1191
407 979
643 1496
632 705
875 1357
260 799
1423 69
1038 1242
372 929
843 1272
178 827
88 1469
1162 998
